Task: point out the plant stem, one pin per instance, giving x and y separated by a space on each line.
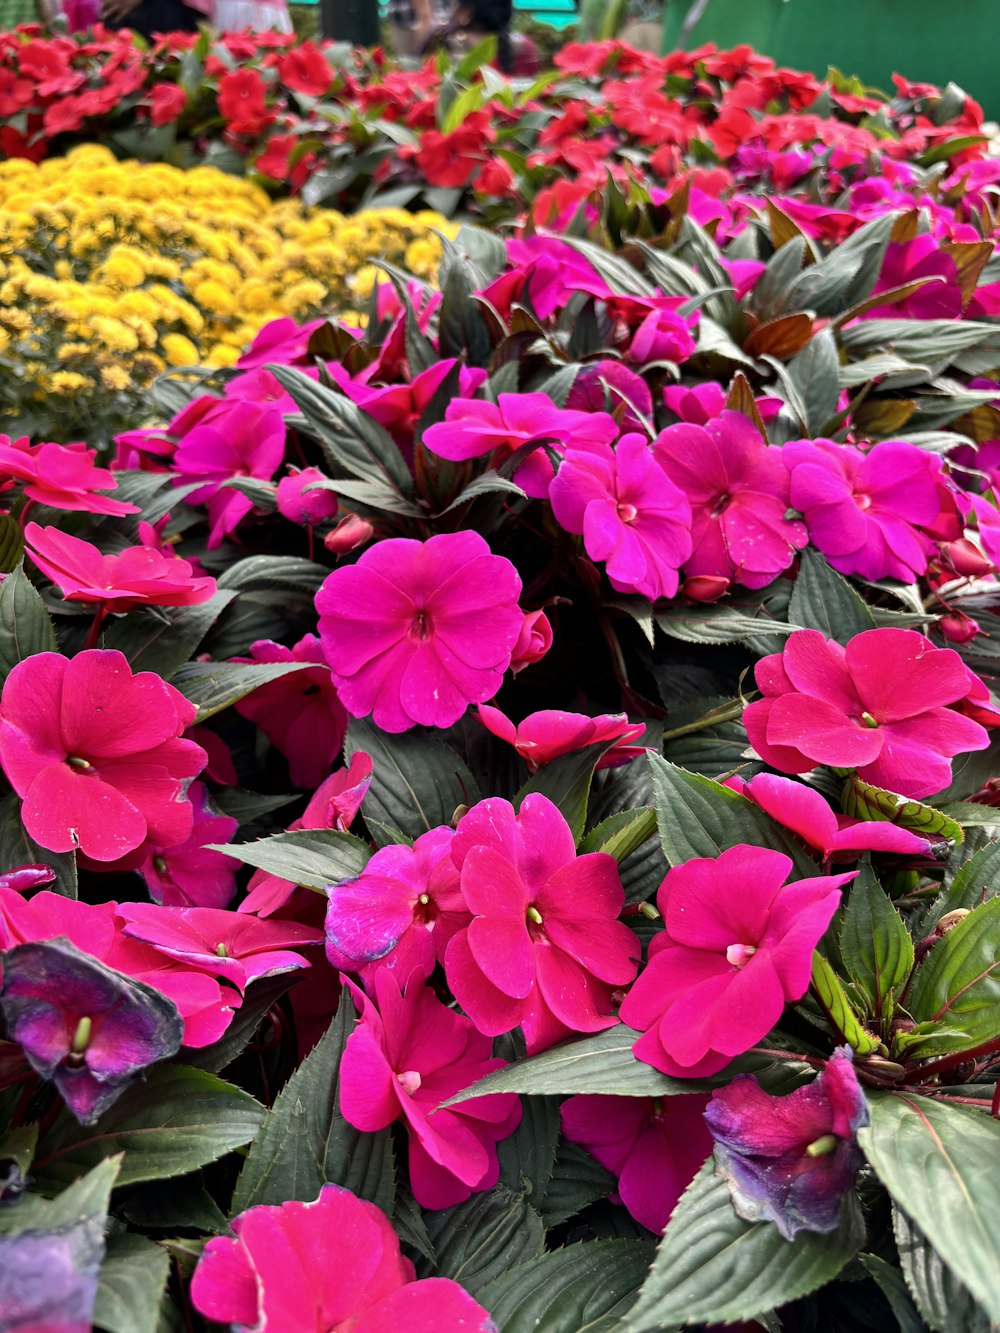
95 625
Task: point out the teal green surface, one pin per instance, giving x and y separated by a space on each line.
925 40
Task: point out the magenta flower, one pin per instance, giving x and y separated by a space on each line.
737 947
95 753
473 428
188 874
48 1279
790 1160
631 515
300 714
280 341
331 1266
654 1145
807 813
399 407
546 735
407 1055
598 381
24 879
863 511
651 329
697 404
138 576
63 476
232 945
416 631
246 439
545 949
90 1030
299 504
906 262
738 489
400 912
880 705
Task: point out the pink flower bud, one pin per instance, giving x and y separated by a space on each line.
24 878
300 505
704 588
351 532
958 628
964 558
534 641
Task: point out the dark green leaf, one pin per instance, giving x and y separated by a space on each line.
418 782
566 782
11 543
893 1288
717 624
946 1305
975 881
132 1281
577 1181
85 1199
874 943
622 834
213 686
183 1205
815 374
845 277
526 1156
483 1238
164 642
823 599
258 998
955 995
17 849
313 858
25 627
273 571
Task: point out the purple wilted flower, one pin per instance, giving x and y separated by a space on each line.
790 1160
88 1028
48 1279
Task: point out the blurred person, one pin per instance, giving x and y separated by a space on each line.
149 16
473 20
410 23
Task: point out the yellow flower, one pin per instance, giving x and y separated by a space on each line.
115 378
69 381
178 350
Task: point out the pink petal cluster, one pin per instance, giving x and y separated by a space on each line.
138 576
738 489
631 515
408 1054
416 631
651 329
63 476
879 705
188 874
95 752
399 407
330 1266
544 949
300 504
909 261
546 735
474 427
737 946
300 713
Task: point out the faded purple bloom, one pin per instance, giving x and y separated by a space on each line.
790 1160
88 1028
48 1279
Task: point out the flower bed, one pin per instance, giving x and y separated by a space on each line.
524 764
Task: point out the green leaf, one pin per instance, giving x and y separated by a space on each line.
941 1164
305 1142
85 1199
165 641
18 1145
957 986
946 1305
579 1289
861 800
698 817
717 624
483 1238
17 849
213 686
462 328
11 543
313 858
841 1014
711 1267
975 882
183 1205
132 1280
273 571
566 782
621 834
577 1180
177 1120
893 1288
418 782
815 372
823 599
527 1155
25 627
874 943
846 276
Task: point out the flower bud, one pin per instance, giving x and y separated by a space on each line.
958 628
303 506
704 588
24 878
950 920
533 642
962 557
350 533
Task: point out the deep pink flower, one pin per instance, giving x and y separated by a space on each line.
737 947
544 949
651 328
544 736
473 428
533 642
654 1145
138 576
631 515
330 1266
599 381
187 874
232 945
738 488
401 911
408 1054
281 342
63 476
790 1160
906 262
25 878
863 511
399 407
880 705
300 714
695 403
416 631
95 753
299 504
807 813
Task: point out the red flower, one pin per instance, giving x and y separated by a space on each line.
167 101
451 160
241 101
61 475
304 69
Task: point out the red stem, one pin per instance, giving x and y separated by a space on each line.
920 1073
95 626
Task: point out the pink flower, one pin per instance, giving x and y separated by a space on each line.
238 947
473 428
806 813
533 642
738 488
655 1146
281 341
416 631
737 947
906 262
696 403
863 510
399 407
400 912
331 1266
138 576
188 874
630 513
546 735
598 381
408 1054
299 504
300 714
651 328
63 476
880 705
544 949
95 752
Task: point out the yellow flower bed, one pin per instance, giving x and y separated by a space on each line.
111 272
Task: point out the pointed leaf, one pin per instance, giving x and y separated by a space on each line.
25 627
213 686
566 782
483 1238
946 1305
861 800
874 943
958 986
840 1012
132 1281
621 834
165 642
313 858
823 599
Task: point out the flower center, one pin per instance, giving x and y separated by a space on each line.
421 628
534 915
863 501
868 720
720 506
409 1080
221 951
75 1057
740 954
823 1146
159 865
627 513
75 761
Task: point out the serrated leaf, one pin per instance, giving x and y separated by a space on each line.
958 986
577 1180
946 1305
717 624
711 1267
165 642
131 1284
566 782
18 849
213 686
273 571
621 834
305 1142
890 1281
823 599
941 1164
484 1237
526 1156
841 1014
975 881
874 943
579 1289
313 858
815 372
84 1200
861 800
180 1118
25 627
